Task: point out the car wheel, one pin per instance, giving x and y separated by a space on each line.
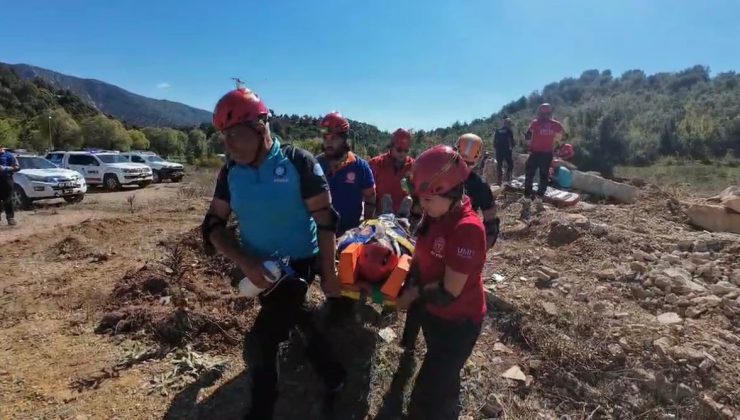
19 199
156 178
111 183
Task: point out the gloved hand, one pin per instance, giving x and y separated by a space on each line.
493 227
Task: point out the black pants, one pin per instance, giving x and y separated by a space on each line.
281 311
537 161
504 155
436 391
6 192
412 326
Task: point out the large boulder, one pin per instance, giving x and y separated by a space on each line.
715 218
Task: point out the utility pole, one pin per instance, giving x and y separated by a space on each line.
51 145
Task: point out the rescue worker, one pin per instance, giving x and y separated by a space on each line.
281 200
350 177
471 149
390 169
446 281
503 144
541 137
8 166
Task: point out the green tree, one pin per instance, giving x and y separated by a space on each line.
100 131
65 132
9 131
164 141
138 140
196 144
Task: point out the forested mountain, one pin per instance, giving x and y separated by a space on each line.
120 103
633 118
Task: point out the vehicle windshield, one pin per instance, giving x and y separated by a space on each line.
35 162
112 158
155 159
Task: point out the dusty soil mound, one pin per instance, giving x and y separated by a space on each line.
72 247
188 303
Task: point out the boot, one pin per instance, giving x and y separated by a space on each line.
526 209
405 209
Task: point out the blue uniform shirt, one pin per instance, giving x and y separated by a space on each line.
346 185
268 202
7 160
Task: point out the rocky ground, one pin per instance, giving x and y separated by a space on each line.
601 310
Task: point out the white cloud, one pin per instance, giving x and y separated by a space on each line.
163 85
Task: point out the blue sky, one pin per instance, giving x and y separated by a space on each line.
416 64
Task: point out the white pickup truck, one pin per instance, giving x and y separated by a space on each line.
39 179
106 168
161 168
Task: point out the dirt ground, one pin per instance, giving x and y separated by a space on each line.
110 309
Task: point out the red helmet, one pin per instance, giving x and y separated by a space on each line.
401 138
567 152
334 123
238 106
376 262
545 110
438 170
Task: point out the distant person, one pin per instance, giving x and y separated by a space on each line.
390 169
350 178
8 166
503 144
283 207
541 137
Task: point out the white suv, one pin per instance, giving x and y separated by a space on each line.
104 168
161 169
39 179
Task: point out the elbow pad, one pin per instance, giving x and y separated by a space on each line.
210 222
438 296
333 223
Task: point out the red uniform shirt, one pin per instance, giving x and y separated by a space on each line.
544 133
388 178
456 240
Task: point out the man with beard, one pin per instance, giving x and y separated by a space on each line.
390 169
350 178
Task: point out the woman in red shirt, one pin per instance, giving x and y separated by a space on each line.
446 282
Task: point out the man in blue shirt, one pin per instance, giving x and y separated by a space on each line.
350 177
8 166
282 203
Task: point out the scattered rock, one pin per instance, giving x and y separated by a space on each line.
586 207
669 318
599 229
723 288
710 301
562 234
493 407
501 348
662 345
542 283
535 364
671 298
693 312
643 256
579 220
638 292
541 276
550 272
638 267
662 282
616 351
550 308
700 246
685 245
608 274
614 238
706 365
671 259
686 353
387 334
514 373
683 391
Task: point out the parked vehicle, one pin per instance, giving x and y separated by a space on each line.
107 168
161 168
40 179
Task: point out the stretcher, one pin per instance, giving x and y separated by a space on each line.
555 196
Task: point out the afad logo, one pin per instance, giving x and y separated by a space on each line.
350 178
279 174
438 247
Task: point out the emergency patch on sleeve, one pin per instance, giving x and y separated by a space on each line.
317 169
